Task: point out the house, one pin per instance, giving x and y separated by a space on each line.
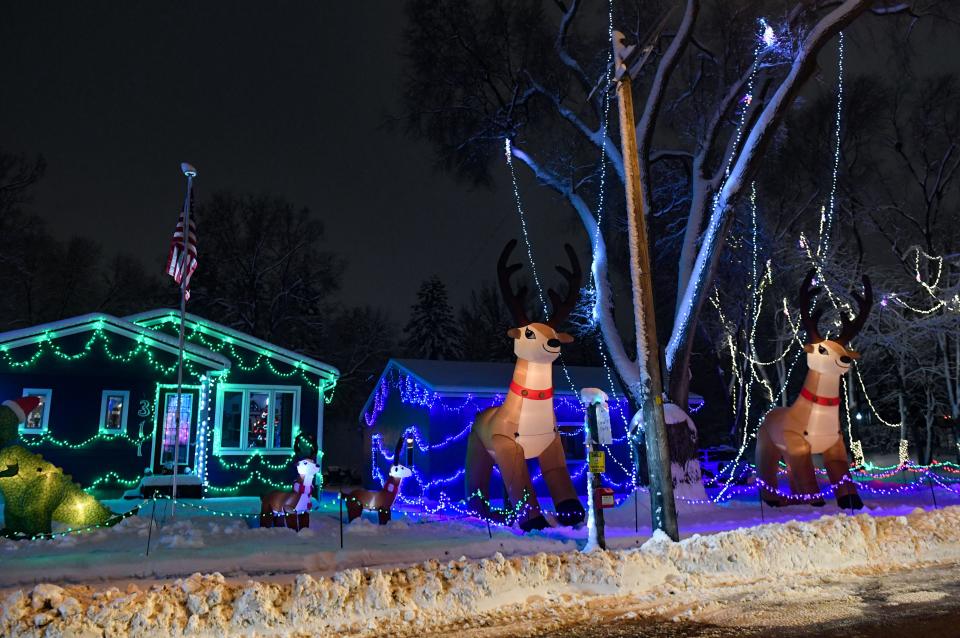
108 410
432 404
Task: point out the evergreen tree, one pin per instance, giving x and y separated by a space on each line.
485 322
432 332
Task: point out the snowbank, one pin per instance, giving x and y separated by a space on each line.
405 601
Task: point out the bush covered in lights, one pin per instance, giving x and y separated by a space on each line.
36 492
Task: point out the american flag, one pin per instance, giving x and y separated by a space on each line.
176 264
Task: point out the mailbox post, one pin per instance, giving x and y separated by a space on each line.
597 432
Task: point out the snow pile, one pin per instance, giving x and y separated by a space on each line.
405 601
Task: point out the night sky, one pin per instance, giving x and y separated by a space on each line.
283 98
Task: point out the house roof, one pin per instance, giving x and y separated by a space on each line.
153 318
486 378
102 321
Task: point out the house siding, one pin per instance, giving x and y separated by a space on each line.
77 385
243 469
444 429
74 415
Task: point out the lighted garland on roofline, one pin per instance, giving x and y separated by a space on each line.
47 344
225 345
414 393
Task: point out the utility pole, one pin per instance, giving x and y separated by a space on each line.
663 509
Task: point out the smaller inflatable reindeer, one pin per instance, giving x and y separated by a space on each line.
279 508
811 425
380 502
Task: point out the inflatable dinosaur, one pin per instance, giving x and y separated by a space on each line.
36 492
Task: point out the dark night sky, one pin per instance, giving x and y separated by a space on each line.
280 97
286 98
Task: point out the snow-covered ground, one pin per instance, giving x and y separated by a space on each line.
203 540
441 592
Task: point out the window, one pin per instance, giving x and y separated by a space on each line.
571 434
36 421
113 411
168 452
257 419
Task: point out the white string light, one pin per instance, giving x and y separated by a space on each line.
830 211
599 215
523 223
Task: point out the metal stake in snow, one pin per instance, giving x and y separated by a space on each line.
663 509
190 172
596 432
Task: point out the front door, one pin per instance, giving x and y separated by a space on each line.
165 447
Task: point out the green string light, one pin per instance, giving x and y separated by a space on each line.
245 464
48 439
72 531
47 344
111 477
226 347
254 476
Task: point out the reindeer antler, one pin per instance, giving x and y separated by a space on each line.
563 307
803 300
516 303
850 327
397 450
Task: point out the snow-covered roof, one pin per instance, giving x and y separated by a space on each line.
479 378
484 377
102 321
153 318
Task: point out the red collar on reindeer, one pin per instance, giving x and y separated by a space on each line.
810 396
529 393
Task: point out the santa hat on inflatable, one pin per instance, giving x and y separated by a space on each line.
18 409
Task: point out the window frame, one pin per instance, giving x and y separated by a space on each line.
47 394
246 389
104 396
162 425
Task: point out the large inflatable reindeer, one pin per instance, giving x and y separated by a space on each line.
811 425
524 426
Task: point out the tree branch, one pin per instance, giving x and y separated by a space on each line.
655 96
627 370
701 279
560 45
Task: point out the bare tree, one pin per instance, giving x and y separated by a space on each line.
482 73
263 269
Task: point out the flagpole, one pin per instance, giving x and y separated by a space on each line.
190 172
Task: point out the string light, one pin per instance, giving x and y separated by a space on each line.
685 305
47 345
70 531
523 223
224 344
49 439
526 236
830 210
